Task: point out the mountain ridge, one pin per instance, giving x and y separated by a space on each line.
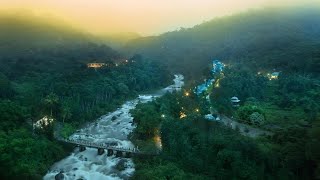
236 38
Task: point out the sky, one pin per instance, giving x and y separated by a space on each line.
146 17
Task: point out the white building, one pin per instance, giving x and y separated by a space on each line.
235 101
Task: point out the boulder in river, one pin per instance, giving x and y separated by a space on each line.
59 176
121 165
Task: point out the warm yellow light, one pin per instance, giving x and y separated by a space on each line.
95 65
187 94
157 140
197 110
217 83
273 77
45 121
182 115
143 16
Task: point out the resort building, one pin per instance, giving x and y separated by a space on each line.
95 65
203 87
274 75
235 101
217 66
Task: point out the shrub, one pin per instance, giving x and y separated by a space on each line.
256 118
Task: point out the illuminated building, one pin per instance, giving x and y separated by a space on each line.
95 65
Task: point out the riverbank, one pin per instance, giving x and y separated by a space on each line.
71 127
192 146
112 128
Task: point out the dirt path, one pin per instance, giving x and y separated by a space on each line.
244 129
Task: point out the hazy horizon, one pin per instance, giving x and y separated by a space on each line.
143 17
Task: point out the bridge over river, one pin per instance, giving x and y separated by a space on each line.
111 150
103 142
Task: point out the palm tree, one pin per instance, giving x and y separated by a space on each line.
51 101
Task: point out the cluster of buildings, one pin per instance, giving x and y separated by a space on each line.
95 65
270 76
110 64
217 67
273 75
203 87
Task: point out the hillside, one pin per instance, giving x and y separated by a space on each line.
270 38
43 44
44 78
30 31
117 40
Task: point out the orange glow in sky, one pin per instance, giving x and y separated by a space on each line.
146 17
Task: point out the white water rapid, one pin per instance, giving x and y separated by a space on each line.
111 128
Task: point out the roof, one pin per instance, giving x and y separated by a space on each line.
204 86
235 99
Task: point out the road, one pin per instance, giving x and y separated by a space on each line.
244 129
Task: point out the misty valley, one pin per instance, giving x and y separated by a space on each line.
234 97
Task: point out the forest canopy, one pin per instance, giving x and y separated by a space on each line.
285 39
44 74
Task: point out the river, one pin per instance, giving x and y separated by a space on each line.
112 128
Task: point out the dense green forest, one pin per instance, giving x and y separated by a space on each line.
44 73
253 45
195 148
286 39
22 33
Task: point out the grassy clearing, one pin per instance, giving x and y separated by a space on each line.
279 117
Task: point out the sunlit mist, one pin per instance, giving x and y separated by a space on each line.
144 16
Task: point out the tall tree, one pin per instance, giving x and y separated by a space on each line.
51 101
